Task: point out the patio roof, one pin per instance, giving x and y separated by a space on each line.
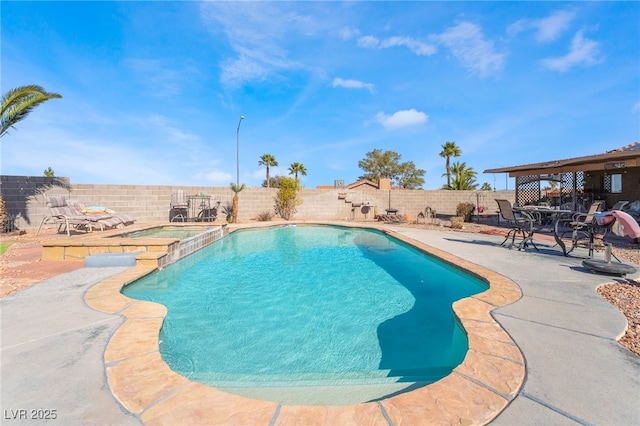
624 157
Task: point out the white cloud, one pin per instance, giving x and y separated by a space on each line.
636 107
369 42
160 77
552 26
348 33
163 125
583 52
469 46
404 118
546 29
418 47
353 84
256 33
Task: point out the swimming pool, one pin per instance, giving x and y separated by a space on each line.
162 232
310 315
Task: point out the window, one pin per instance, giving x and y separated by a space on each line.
616 183
613 183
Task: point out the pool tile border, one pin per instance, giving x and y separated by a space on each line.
489 377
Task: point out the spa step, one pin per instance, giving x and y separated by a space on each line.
103 260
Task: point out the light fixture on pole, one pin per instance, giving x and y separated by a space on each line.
506 179
238 151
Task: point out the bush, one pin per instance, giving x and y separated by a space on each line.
264 216
466 211
227 210
287 198
456 222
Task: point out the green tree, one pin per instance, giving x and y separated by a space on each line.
274 181
386 165
16 105
378 164
234 206
49 172
296 168
19 102
464 178
268 160
486 187
449 149
410 177
287 198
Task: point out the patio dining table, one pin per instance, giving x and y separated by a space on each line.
200 208
548 216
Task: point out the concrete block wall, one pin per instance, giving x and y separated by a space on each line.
150 203
22 196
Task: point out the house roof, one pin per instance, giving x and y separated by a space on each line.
624 157
361 182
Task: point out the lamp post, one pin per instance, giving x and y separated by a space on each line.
506 179
238 151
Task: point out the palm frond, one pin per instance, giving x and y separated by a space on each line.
19 102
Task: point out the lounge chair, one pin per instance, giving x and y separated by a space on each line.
64 216
620 205
69 213
522 224
109 217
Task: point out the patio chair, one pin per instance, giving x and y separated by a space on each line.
584 228
620 205
521 224
179 208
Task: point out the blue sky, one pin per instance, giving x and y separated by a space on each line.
153 91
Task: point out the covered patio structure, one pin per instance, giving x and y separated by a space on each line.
576 182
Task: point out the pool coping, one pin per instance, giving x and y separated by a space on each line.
482 386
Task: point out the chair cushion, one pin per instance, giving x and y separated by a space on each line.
56 201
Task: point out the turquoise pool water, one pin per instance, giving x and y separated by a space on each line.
282 312
162 232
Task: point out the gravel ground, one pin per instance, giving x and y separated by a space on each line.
624 295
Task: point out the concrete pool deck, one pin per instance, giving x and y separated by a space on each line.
576 372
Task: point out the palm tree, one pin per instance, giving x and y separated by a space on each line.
464 178
449 149
268 160
236 189
296 168
16 105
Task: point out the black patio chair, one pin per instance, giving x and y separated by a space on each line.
521 225
584 228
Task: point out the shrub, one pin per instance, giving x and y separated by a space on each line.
265 216
227 210
456 222
287 198
466 211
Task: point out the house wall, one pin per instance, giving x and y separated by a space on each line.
150 203
630 186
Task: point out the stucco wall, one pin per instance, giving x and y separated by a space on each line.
150 203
